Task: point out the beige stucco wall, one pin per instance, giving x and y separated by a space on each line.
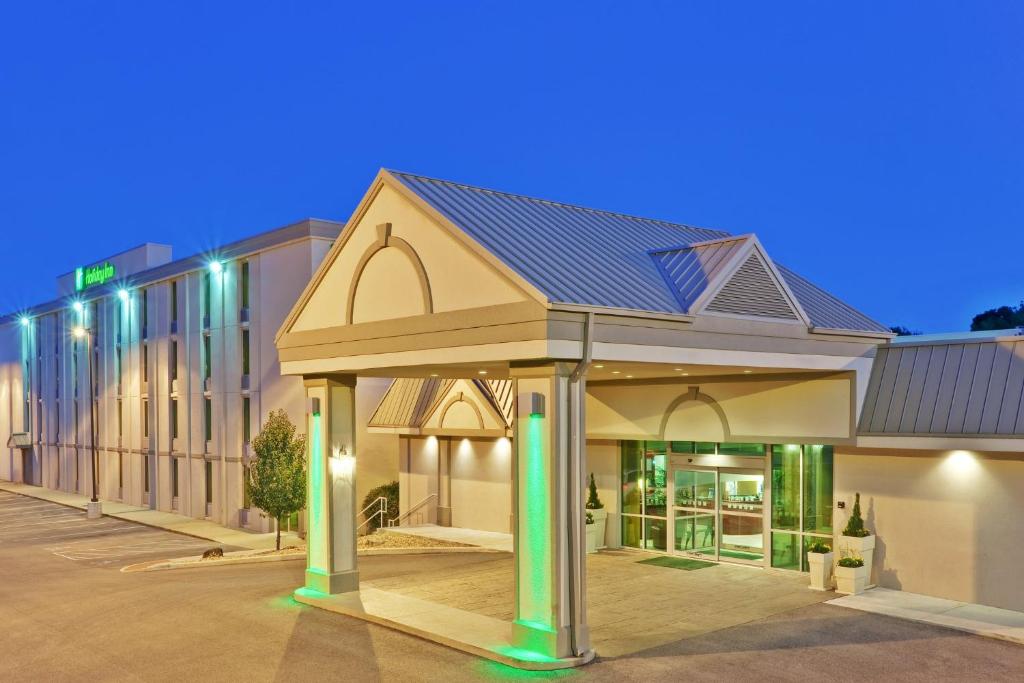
458 279
793 409
418 476
481 474
603 462
948 523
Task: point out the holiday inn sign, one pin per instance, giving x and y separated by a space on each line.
89 276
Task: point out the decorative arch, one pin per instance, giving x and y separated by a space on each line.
694 394
460 398
384 240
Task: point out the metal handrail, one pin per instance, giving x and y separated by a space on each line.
382 511
405 515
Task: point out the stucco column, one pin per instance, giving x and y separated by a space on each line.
331 488
444 481
550 548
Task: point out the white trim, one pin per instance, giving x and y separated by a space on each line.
944 443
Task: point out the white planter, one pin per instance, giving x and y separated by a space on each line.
851 580
820 565
600 516
863 548
591 538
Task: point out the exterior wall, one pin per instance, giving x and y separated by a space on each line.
603 462
481 481
419 476
44 355
948 523
790 409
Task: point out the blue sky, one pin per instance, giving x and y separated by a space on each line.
877 150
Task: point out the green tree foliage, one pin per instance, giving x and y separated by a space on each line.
277 477
901 331
1002 318
593 502
855 525
389 491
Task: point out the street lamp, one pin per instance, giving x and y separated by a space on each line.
94 509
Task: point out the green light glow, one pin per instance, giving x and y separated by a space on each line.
316 538
523 655
535 565
89 276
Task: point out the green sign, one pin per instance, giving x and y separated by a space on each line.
93 275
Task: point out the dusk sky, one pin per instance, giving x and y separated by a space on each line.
878 151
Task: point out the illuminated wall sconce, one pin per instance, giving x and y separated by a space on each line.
531 404
342 464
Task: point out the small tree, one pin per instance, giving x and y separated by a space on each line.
855 525
593 501
277 477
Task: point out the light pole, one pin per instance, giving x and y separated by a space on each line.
94 509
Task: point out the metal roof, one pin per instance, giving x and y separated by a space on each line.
576 255
691 269
409 402
967 388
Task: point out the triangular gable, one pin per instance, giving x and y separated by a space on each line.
450 407
395 236
731 277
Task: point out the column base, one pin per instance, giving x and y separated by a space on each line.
93 509
331 584
547 641
444 516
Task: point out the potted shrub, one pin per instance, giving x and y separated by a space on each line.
591 534
851 575
819 562
856 540
595 509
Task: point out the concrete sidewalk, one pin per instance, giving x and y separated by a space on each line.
492 540
981 620
198 528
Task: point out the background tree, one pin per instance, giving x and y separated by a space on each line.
1002 318
903 331
277 476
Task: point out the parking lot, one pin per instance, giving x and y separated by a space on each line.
69 614
66 533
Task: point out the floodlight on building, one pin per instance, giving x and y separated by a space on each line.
25 321
78 331
122 294
216 267
78 306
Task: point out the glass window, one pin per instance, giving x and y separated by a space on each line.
656 533
655 479
245 284
786 487
704 448
684 447
246 500
786 551
741 449
206 356
172 361
208 419
145 473
246 421
174 418
209 481
632 473
145 362
818 489
174 302
120 418
145 417
632 531
245 352
695 533
206 294
174 477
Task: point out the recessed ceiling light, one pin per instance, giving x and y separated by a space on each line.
615 372
629 376
747 372
481 372
599 366
433 374
678 369
686 374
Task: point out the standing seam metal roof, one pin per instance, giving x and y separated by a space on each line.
577 255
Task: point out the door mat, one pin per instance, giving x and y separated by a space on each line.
677 563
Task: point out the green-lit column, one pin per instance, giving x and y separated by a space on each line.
331 492
550 593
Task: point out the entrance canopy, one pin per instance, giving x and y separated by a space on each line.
608 326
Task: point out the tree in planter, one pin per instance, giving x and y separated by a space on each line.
593 501
277 476
855 525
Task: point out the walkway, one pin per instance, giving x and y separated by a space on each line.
189 526
981 620
485 539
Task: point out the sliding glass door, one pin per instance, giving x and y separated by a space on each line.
719 514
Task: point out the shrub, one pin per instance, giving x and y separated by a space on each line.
590 518
852 561
389 491
819 547
593 502
855 525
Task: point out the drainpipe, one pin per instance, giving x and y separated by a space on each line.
577 393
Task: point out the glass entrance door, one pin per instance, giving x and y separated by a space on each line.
718 514
696 512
